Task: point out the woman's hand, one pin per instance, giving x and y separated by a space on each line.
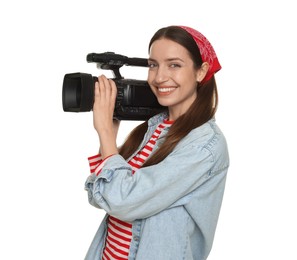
104 104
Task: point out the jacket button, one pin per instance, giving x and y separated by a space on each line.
136 238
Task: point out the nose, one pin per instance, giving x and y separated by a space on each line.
161 75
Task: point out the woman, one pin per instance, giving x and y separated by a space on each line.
162 189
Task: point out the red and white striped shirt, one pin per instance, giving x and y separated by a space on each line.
119 233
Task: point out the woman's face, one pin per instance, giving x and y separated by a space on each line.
172 76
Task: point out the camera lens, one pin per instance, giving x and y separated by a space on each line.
78 92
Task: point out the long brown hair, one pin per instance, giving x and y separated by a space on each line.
202 109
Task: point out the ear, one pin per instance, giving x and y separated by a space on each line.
202 71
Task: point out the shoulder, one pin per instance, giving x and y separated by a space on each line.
205 135
210 138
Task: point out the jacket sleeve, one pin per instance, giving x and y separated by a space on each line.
154 188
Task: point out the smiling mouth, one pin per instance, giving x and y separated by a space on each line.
165 90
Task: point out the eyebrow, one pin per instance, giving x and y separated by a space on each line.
170 59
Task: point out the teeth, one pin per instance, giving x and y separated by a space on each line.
165 89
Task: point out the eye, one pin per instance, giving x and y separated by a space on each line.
152 65
174 65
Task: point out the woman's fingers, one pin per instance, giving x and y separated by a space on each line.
106 89
104 103
101 92
113 90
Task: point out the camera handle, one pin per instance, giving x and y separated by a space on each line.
112 61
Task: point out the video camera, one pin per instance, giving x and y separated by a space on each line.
134 101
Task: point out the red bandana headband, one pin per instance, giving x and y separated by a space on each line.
206 50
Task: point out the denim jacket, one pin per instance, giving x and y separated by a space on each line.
174 205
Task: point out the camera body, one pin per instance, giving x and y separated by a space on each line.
134 101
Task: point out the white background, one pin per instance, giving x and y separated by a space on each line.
43 164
